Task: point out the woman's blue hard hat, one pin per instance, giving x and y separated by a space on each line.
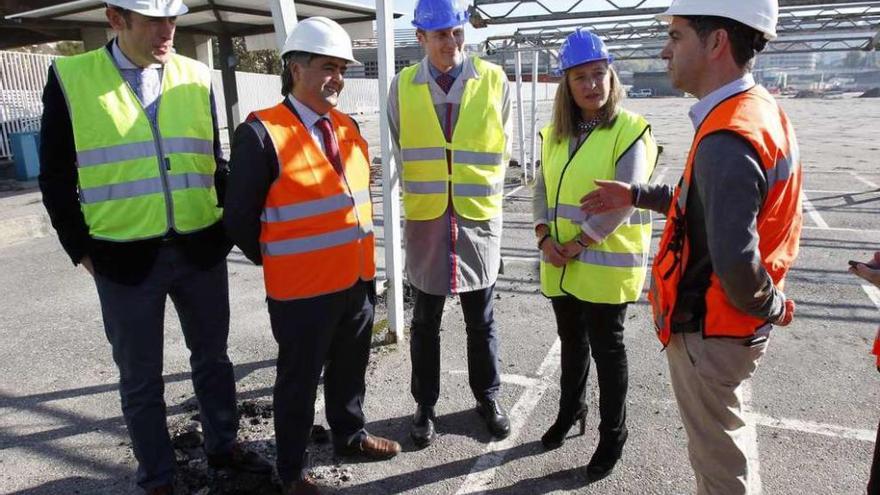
581 47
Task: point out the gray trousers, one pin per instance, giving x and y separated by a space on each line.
707 377
134 317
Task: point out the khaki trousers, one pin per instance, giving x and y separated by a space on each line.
707 377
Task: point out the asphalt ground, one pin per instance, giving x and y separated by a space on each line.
813 403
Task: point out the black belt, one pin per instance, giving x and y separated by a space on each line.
171 237
692 326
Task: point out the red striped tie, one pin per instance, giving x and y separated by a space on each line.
331 149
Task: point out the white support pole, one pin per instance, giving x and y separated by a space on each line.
520 118
534 135
390 178
284 19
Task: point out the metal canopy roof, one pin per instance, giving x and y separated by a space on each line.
632 32
207 17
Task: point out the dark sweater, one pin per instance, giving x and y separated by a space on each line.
726 194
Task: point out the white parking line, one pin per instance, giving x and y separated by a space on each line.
751 439
811 211
841 229
873 294
521 259
864 180
520 380
483 471
512 191
833 191
814 428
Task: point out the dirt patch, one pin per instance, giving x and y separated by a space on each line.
381 329
256 433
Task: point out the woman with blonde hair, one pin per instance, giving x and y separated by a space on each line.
592 267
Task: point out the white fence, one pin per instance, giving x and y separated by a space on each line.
23 75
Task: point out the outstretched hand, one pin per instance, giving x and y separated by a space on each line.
608 195
869 270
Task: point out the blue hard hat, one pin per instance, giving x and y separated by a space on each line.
581 47
434 15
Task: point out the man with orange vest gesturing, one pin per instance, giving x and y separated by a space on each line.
870 271
299 204
732 231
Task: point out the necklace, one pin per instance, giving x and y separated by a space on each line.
588 125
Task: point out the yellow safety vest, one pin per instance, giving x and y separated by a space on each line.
477 148
612 271
136 183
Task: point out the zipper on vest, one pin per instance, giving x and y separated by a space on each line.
164 168
163 162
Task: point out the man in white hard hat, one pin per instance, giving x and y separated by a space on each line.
129 158
299 205
450 124
732 231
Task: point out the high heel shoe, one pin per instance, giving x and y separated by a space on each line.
605 458
555 435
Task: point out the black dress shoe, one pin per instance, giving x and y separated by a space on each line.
605 458
422 431
495 418
555 435
239 459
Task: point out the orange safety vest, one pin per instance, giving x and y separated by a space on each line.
317 226
755 116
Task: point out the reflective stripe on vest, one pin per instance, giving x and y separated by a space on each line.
614 270
476 151
317 227
136 182
756 117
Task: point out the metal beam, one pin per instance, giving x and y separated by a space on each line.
390 177
231 9
635 33
506 11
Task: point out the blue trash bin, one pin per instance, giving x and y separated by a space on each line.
26 154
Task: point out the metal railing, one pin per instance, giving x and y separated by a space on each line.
22 77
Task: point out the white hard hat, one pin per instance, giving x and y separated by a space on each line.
760 15
321 36
152 8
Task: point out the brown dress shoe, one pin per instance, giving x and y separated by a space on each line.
372 447
305 486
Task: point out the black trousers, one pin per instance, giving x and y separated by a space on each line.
134 322
334 329
591 328
482 345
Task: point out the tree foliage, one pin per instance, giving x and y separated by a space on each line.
258 61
